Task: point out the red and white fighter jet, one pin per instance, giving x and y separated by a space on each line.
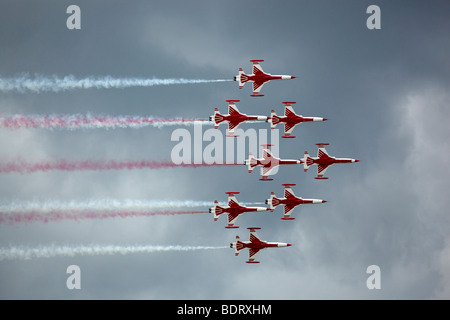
234 118
254 245
290 119
233 210
267 163
258 77
290 201
323 161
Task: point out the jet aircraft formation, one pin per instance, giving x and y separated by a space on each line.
268 162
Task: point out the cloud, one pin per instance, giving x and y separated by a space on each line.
398 207
424 112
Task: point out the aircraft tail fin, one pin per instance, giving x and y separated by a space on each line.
273 201
216 210
307 161
239 246
274 119
242 78
251 162
218 118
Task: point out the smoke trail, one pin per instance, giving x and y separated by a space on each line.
39 83
74 215
97 204
54 211
22 166
104 204
88 121
26 253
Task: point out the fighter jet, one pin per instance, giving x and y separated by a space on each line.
268 162
234 118
290 119
254 245
233 210
258 77
290 201
323 161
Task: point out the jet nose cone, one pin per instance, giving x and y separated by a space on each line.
289 244
292 77
324 119
323 201
356 160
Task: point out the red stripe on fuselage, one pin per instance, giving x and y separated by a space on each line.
326 160
259 245
262 77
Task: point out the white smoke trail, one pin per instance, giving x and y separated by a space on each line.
50 206
26 253
89 121
39 83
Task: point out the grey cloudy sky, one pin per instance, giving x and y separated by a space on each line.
385 93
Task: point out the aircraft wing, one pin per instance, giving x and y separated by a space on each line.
232 125
232 109
232 201
289 111
267 154
288 127
288 210
253 251
267 171
257 86
321 168
232 219
253 235
322 152
288 193
252 255
257 69
269 159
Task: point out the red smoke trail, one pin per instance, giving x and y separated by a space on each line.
13 218
78 121
22 166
